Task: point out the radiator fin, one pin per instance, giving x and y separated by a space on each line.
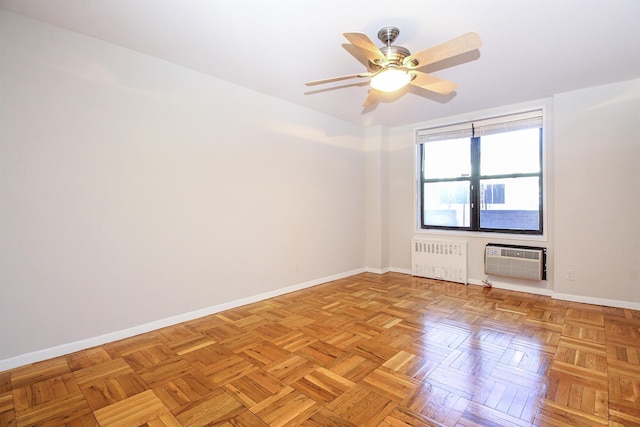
437 259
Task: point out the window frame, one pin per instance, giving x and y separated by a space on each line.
467 130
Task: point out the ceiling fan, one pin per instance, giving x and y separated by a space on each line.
393 67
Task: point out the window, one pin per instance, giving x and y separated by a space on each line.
482 176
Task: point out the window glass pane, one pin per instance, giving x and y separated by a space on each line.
510 152
450 158
510 204
447 204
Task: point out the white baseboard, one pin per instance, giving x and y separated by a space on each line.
61 350
597 301
515 287
550 293
49 353
400 270
376 270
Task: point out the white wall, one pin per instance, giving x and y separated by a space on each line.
133 190
377 200
592 149
597 218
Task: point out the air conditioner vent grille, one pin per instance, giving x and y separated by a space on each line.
517 253
515 261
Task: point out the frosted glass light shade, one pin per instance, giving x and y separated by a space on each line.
390 80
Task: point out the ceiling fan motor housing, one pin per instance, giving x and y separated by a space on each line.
394 54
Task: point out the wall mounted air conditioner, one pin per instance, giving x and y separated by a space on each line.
521 262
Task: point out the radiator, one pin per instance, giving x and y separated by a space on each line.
437 259
520 262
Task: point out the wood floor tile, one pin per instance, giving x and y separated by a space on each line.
190 343
238 343
390 384
624 386
216 407
133 411
8 418
622 331
103 371
323 385
291 368
166 371
111 390
245 419
293 341
286 408
208 355
39 371
134 344
352 367
263 353
373 350
228 369
184 390
254 387
411 365
624 356
551 413
404 417
6 402
486 416
86 358
46 390
624 413
362 406
320 352
55 412
325 418
165 420
149 356
367 350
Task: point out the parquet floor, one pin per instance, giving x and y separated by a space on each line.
369 350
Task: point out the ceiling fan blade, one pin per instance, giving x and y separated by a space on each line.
336 79
367 47
433 84
372 98
457 46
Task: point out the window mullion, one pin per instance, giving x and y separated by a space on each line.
422 181
475 183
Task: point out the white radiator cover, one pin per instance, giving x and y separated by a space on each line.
439 259
515 261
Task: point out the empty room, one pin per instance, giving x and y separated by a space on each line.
349 213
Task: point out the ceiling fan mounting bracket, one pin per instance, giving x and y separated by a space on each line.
388 35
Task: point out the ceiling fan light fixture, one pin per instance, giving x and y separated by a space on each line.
390 80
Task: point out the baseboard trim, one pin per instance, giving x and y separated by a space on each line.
513 287
377 270
400 270
61 350
597 301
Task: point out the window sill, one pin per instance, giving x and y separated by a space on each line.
483 235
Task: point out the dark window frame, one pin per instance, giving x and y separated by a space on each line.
475 190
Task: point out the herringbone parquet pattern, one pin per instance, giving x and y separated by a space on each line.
369 350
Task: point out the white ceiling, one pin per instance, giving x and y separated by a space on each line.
532 48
